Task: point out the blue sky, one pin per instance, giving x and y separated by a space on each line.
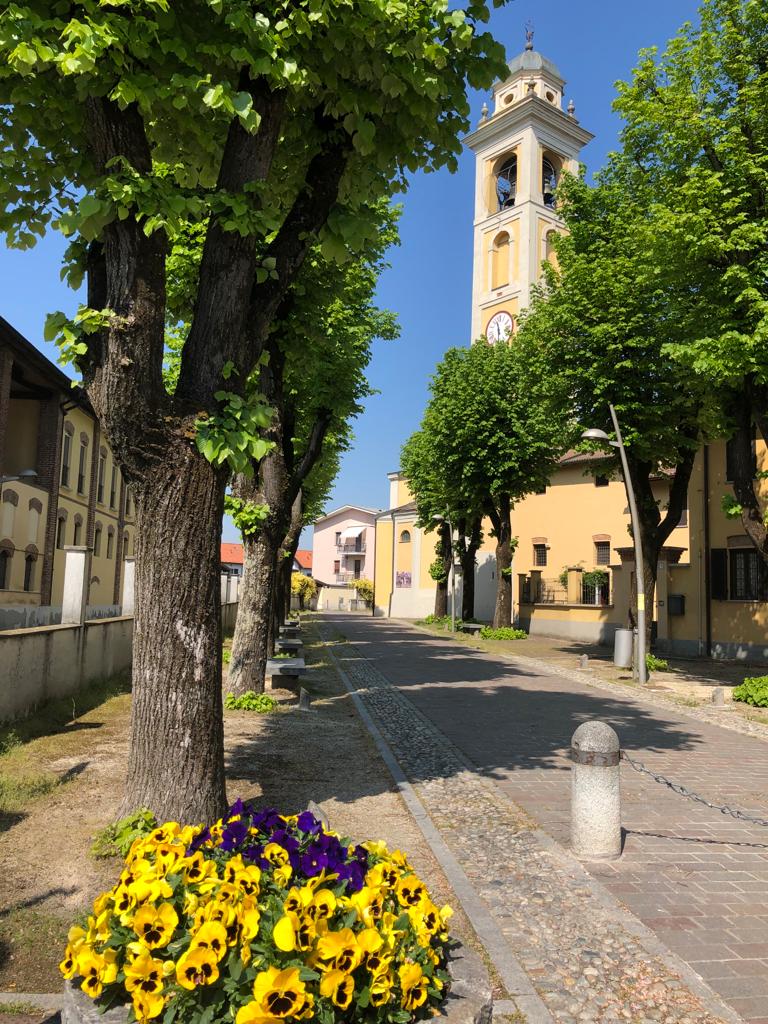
594 43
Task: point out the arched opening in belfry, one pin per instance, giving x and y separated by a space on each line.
500 260
506 183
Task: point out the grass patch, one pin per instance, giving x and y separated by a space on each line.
17 790
23 934
502 633
262 703
20 1009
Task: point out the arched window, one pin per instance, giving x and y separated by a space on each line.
29 572
78 531
110 540
405 537
126 545
97 540
5 568
33 520
10 501
66 454
61 530
506 183
500 260
548 181
82 463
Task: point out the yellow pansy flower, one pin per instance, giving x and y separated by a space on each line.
147 1005
381 989
155 925
338 987
385 873
97 970
197 966
322 906
68 965
144 973
413 985
249 925
297 900
281 994
339 951
211 935
368 904
282 875
200 872
291 932
276 854
410 891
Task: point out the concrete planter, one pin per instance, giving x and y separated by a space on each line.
469 1001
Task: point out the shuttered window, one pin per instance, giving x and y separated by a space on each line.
718 561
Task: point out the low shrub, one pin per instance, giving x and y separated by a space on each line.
262 918
654 664
250 701
503 633
283 655
754 691
226 655
116 840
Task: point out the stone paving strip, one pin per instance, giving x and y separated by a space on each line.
587 959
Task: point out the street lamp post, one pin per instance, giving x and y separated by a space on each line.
25 476
595 434
447 519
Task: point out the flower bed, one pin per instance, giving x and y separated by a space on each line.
262 919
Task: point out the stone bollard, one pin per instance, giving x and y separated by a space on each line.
718 697
305 701
595 793
583 661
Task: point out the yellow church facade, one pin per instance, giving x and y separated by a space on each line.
573 563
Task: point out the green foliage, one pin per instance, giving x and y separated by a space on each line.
503 633
234 434
116 840
71 334
754 691
654 664
438 571
262 703
247 516
441 621
364 590
303 587
595 578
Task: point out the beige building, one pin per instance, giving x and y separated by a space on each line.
574 562
59 487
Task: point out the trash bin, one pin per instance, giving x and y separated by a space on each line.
623 644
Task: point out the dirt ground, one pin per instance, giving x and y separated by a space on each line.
284 759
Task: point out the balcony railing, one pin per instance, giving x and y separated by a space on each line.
345 577
356 548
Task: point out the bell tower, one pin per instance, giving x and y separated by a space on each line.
521 149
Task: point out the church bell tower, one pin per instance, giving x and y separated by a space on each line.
521 149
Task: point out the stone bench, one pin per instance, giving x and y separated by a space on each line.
290 632
288 645
286 671
471 627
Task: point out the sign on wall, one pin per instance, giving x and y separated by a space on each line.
402 579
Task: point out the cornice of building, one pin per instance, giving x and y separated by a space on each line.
524 114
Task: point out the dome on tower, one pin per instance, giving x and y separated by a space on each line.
533 61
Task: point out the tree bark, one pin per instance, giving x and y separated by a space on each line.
251 642
470 537
501 517
176 756
743 483
444 555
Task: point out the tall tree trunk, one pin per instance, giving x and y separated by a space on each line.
176 758
470 542
290 546
502 524
444 556
743 483
251 642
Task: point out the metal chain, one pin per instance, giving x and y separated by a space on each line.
681 790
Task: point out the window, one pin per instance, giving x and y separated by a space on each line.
113 487
61 530
126 545
358 567
97 540
10 500
5 569
66 458
78 531
539 554
338 538
127 501
29 572
745 575
33 520
102 474
500 260
405 537
730 457
602 552
81 467
601 480
549 181
336 566
110 543
506 184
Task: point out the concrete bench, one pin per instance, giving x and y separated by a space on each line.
288 645
286 671
290 632
471 627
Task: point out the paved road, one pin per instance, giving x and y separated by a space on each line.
697 878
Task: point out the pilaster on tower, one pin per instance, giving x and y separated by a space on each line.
521 150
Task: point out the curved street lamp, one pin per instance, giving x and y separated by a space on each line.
595 434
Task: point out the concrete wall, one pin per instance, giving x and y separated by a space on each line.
55 661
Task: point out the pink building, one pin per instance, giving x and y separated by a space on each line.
343 546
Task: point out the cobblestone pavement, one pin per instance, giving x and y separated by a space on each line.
586 959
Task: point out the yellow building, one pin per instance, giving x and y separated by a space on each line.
59 487
574 562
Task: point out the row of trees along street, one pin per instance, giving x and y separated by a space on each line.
232 142
657 302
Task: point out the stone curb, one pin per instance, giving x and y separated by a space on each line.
515 980
39 1000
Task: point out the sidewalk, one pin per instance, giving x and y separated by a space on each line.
697 879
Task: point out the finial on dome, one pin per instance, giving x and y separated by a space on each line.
571 108
483 114
529 35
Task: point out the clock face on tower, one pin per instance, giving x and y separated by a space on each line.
499 327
